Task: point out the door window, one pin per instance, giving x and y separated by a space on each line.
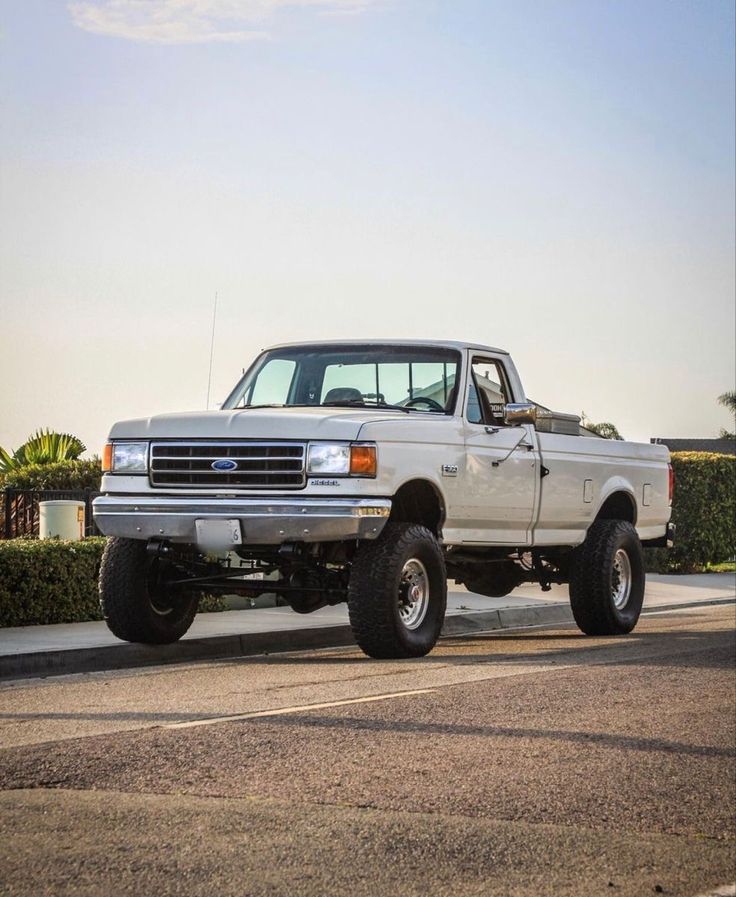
488 393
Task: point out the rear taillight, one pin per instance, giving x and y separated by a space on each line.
672 482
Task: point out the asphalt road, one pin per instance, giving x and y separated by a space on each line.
539 762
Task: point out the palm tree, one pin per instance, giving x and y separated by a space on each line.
728 400
43 447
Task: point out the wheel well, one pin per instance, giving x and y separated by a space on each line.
418 502
619 506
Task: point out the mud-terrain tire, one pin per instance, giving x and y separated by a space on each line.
131 609
607 579
397 593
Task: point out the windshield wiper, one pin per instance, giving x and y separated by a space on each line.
345 404
374 404
249 407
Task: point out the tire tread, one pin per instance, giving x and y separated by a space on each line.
372 579
124 599
590 596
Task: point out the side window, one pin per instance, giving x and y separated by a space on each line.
488 393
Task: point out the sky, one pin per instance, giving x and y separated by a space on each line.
555 178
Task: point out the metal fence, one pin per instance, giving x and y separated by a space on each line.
20 509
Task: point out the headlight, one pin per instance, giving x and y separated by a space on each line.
127 457
339 459
328 458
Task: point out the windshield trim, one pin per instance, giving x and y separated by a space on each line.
331 348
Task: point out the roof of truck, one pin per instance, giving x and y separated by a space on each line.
444 344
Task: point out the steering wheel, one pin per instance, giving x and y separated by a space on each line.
435 406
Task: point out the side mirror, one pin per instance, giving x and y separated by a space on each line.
519 413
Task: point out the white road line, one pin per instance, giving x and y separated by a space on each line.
300 708
721 891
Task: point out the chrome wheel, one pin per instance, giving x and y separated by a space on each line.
621 579
413 594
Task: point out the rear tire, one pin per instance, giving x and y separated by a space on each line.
607 579
136 606
398 592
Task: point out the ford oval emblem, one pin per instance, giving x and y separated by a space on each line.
224 464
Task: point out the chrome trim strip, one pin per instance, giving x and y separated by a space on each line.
235 441
229 458
214 473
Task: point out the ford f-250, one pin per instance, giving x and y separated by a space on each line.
369 472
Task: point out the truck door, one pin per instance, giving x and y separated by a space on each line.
500 478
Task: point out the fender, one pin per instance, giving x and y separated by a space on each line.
617 484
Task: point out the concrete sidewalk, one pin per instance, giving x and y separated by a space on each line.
84 647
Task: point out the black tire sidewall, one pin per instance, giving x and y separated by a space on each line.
591 579
422 639
126 600
179 603
628 615
373 592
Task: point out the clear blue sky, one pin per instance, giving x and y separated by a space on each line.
553 177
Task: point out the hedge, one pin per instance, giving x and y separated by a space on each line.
704 511
51 581
78 474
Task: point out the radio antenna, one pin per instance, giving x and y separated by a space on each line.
212 352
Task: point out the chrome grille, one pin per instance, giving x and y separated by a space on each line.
260 465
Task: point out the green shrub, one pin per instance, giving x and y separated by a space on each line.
50 581
704 511
79 474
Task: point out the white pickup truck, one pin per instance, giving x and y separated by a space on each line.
370 472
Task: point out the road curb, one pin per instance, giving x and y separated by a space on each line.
126 656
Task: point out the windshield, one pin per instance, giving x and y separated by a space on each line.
403 377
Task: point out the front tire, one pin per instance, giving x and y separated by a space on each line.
135 602
607 579
398 592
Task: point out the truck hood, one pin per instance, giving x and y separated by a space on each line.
265 423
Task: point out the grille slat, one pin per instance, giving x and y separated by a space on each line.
261 465
210 458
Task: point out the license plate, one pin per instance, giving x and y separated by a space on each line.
218 533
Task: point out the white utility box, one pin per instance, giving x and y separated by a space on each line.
61 520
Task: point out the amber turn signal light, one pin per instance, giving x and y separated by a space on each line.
363 460
107 458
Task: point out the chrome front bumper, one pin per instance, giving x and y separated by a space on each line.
263 521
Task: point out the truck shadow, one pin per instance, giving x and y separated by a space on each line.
454 729
713 649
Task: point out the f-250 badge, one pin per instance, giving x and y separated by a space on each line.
449 470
